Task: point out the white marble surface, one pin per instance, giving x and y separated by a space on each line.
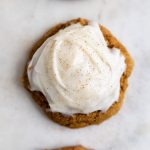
23 126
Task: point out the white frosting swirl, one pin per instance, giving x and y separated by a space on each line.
76 71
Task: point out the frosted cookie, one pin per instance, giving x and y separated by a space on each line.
78 73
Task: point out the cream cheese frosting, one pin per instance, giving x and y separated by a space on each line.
76 71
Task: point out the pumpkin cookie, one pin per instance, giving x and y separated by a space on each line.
72 148
78 73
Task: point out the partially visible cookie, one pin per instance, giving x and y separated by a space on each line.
82 120
72 148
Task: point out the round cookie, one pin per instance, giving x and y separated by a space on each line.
82 120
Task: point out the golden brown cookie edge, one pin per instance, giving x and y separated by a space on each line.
78 147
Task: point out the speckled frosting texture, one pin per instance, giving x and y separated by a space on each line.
76 71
